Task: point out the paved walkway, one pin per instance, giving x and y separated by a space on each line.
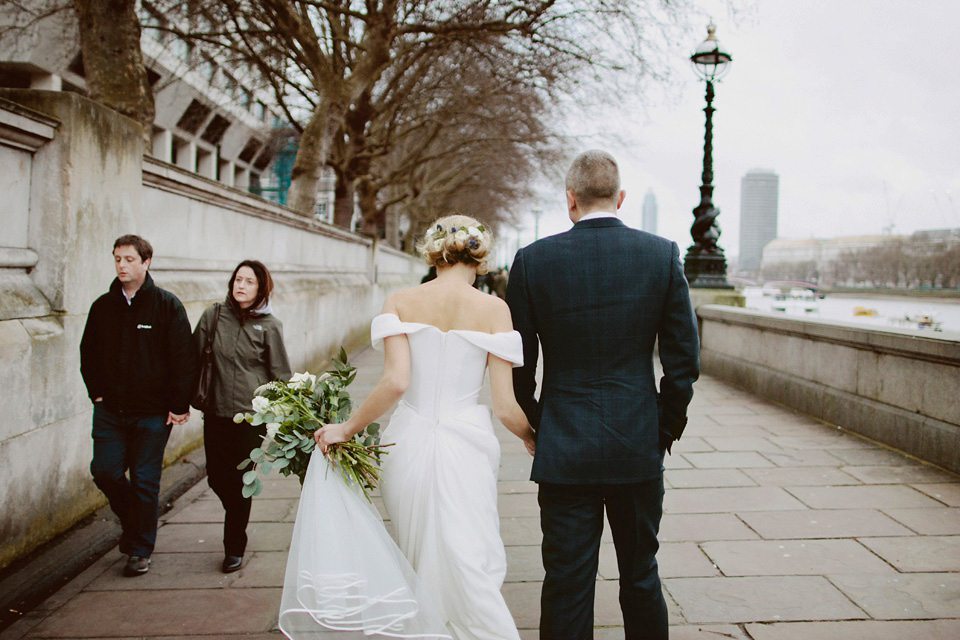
777 527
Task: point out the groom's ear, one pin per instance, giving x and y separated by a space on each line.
571 201
623 194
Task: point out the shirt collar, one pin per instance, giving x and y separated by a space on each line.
597 215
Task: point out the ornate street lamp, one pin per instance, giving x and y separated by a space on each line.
705 265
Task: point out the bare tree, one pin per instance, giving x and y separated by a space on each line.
324 58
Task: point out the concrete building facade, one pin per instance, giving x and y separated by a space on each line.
759 196
211 119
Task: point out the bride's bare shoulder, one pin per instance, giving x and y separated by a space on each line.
495 310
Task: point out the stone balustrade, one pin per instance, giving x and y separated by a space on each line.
898 387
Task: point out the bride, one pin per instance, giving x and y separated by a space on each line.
345 576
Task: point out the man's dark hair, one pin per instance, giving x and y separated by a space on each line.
264 288
142 246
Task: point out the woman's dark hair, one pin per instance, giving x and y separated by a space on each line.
264 288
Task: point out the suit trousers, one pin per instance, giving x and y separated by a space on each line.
571 517
227 444
123 442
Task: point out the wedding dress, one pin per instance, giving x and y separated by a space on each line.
345 576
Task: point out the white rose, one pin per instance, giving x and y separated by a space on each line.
460 235
303 381
272 428
260 404
474 232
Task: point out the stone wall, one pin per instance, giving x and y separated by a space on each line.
73 178
897 387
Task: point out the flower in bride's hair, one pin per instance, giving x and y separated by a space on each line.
474 232
460 236
474 244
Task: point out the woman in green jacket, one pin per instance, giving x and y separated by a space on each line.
248 351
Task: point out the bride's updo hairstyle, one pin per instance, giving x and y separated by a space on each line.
456 239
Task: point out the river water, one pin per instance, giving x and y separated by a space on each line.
892 311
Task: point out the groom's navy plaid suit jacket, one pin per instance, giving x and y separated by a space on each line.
597 298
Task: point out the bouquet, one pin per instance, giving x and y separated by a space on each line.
292 411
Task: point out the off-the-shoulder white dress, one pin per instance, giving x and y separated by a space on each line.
439 488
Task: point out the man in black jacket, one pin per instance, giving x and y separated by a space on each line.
596 299
140 367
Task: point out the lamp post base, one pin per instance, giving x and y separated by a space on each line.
706 271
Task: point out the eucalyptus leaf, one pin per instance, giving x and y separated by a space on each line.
291 453
250 476
256 455
249 490
280 464
243 464
265 467
257 419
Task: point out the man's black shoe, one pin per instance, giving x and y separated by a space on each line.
136 566
231 563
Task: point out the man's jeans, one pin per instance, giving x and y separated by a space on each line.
122 442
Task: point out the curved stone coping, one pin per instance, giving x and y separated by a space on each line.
940 347
18 258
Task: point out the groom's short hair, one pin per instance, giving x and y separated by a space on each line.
594 177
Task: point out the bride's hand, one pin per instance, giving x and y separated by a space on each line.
328 435
530 442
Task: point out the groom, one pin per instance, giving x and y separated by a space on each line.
596 299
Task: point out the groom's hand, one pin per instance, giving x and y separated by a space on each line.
666 442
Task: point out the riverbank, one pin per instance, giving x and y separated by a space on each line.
948 295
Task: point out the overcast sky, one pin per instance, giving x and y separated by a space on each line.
854 103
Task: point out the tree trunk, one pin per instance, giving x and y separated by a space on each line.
372 217
312 157
112 59
343 200
392 221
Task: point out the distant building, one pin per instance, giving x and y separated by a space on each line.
213 118
759 195
928 256
650 212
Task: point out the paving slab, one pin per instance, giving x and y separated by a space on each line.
524 564
701 478
742 443
520 531
898 597
793 557
937 521
859 630
945 493
208 537
901 474
824 523
875 456
700 527
822 442
93 614
926 553
760 599
875 496
729 500
691 444
801 477
803 458
728 460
